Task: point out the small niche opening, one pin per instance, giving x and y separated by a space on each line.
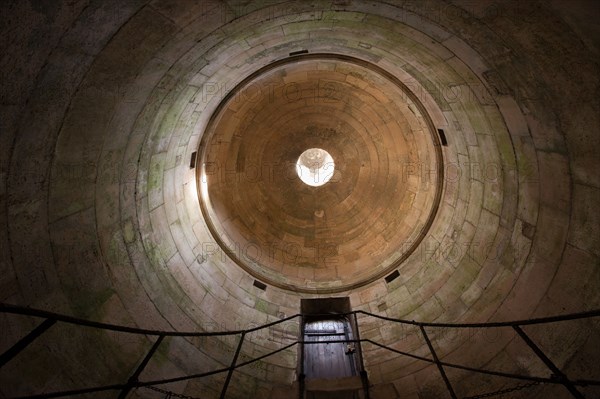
193 160
443 137
299 52
392 276
259 285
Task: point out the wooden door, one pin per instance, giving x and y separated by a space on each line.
328 360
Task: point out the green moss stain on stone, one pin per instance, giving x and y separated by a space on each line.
261 305
176 101
161 356
157 166
128 231
266 307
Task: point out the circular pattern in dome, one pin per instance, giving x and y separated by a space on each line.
315 167
380 196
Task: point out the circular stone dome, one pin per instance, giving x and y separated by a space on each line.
304 112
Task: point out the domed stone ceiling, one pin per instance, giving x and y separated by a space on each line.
383 191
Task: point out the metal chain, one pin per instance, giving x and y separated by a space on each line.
505 391
170 394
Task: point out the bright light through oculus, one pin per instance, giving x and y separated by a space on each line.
315 167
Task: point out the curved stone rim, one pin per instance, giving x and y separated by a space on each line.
204 200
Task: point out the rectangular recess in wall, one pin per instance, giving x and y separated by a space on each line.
443 137
259 285
392 276
293 53
193 160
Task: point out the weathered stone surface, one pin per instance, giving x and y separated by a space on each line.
103 104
